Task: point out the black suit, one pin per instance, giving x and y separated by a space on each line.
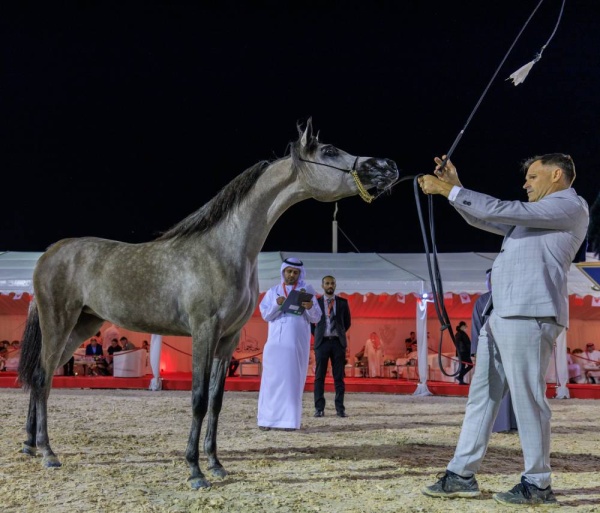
463 351
333 348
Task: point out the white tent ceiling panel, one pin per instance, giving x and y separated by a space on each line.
16 271
361 273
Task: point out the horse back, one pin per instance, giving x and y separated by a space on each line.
155 287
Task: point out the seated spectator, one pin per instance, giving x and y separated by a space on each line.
100 366
576 355
146 345
3 356
575 372
113 348
414 356
591 363
93 348
13 355
409 342
125 344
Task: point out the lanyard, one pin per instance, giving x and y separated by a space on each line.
285 292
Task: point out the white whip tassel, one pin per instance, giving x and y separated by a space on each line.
520 75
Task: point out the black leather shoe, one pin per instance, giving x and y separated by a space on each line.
341 414
319 413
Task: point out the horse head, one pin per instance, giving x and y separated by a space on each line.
331 173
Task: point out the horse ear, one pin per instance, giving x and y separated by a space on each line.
307 136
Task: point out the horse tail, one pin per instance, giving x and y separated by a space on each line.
31 349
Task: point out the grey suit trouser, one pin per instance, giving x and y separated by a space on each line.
513 353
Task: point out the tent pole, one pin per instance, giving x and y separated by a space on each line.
334 231
155 350
422 349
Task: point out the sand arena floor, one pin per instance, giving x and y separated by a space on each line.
123 451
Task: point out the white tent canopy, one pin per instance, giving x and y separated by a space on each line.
374 273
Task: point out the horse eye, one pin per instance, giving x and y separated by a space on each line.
330 151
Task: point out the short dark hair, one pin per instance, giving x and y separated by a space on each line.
561 160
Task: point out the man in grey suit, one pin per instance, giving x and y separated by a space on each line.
529 293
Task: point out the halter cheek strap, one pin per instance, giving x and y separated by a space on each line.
362 191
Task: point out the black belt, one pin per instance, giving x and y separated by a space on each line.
331 338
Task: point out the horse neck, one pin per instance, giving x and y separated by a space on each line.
276 190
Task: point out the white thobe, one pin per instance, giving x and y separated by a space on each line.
285 360
375 358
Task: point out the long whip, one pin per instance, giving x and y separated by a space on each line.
517 77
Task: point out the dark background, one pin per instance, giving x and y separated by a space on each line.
117 120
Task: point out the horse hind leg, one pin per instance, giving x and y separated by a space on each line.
34 375
42 440
29 447
56 338
38 441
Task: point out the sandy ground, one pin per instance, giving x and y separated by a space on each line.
123 451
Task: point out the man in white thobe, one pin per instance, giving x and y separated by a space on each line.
285 355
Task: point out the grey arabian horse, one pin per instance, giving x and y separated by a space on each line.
198 279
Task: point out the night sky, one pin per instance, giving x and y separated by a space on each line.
119 121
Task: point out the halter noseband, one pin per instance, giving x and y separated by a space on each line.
362 191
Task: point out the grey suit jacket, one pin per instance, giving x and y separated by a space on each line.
541 238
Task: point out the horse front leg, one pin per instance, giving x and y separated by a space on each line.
192 453
215 403
202 354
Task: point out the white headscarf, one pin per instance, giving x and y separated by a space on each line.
296 263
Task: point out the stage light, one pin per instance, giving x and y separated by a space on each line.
427 297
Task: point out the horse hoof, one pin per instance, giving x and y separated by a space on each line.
51 462
218 471
29 450
198 482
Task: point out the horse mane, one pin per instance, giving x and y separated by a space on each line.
230 196
217 208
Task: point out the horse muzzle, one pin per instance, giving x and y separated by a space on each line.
379 173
